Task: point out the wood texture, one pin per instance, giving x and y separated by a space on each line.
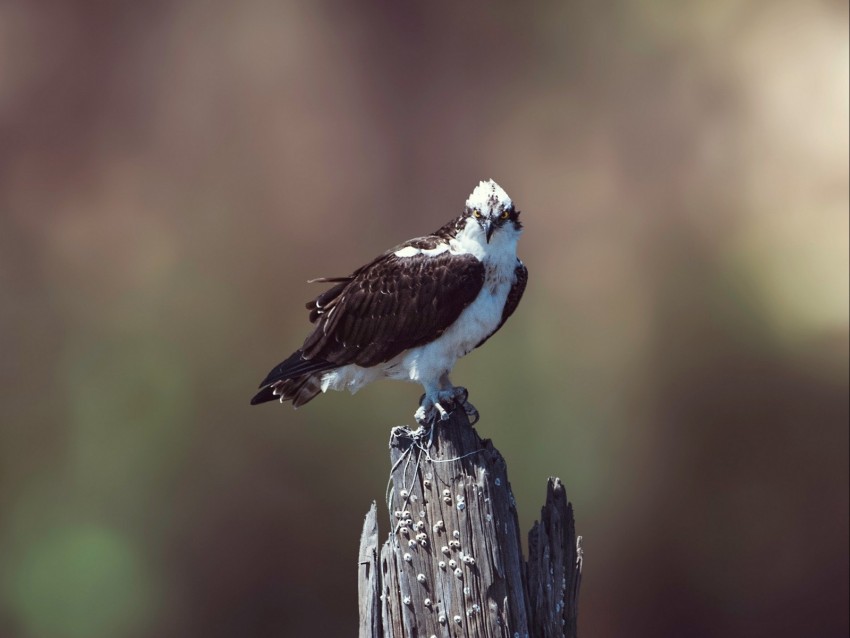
369 582
453 564
554 566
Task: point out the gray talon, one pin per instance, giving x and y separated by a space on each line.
438 406
471 413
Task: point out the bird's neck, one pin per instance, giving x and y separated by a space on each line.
470 239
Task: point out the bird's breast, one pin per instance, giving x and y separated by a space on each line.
481 318
474 324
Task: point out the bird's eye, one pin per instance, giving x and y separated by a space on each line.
476 213
505 214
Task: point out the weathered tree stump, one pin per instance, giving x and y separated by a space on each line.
453 564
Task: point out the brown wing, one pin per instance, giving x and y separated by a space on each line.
391 305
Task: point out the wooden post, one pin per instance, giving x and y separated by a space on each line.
453 564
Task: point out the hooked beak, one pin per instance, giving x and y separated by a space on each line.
488 229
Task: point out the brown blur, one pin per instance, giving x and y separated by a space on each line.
171 174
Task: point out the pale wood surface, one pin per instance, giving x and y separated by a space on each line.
453 564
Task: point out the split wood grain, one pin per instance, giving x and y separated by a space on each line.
452 564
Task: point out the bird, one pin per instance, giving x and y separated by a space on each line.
412 312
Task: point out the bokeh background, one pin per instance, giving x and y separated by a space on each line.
171 174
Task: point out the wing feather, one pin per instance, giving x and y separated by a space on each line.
391 305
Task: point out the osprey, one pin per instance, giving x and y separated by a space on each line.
412 312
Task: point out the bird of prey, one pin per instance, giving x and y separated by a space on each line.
412 312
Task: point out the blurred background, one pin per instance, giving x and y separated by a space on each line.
171 174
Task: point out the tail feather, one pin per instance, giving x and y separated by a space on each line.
266 394
296 379
300 390
303 390
295 366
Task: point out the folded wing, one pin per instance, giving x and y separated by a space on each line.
382 309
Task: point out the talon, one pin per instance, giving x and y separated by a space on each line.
460 395
438 406
471 413
421 416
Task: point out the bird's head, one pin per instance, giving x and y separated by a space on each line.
495 213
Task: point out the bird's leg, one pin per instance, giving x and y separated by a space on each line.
430 410
438 402
426 417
